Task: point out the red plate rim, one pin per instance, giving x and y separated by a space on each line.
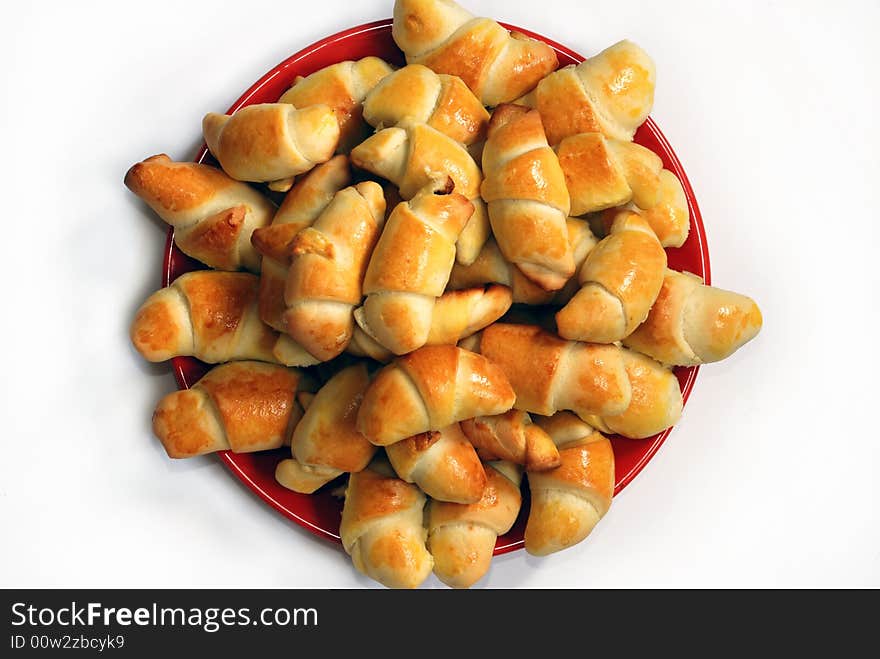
697 227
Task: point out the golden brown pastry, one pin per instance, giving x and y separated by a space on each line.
413 156
240 406
491 266
459 314
363 345
620 279
497 65
271 141
456 316
669 218
549 374
430 389
582 240
610 93
442 101
343 87
212 214
567 502
299 210
601 172
382 527
691 323
326 275
656 401
528 201
206 314
443 463
409 268
326 443
512 437
462 537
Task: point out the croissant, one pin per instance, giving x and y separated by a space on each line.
240 406
327 271
300 208
382 527
497 65
271 141
656 401
603 172
459 314
413 156
691 323
582 240
410 266
491 266
430 389
527 198
610 93
620 279
567 502
363 345
456 315
443 463
206 314
462 537
343 87
418 94
669 218
549 374
326 443
212 214
513 437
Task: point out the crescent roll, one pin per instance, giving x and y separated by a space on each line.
326 443
691 323
212 214
271 141
443 463
550 374
414 156
240 406
567 502
382 527
441 101
512 437
343 87
299 210
462 537
456 315
528 201
410 266
207 314
669 218
620 279
497 65
491 266
324 284
602 172
430 389
655 405
610 93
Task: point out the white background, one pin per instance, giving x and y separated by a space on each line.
769 480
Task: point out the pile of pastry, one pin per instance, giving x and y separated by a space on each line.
464 287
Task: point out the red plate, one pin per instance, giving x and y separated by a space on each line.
320 513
